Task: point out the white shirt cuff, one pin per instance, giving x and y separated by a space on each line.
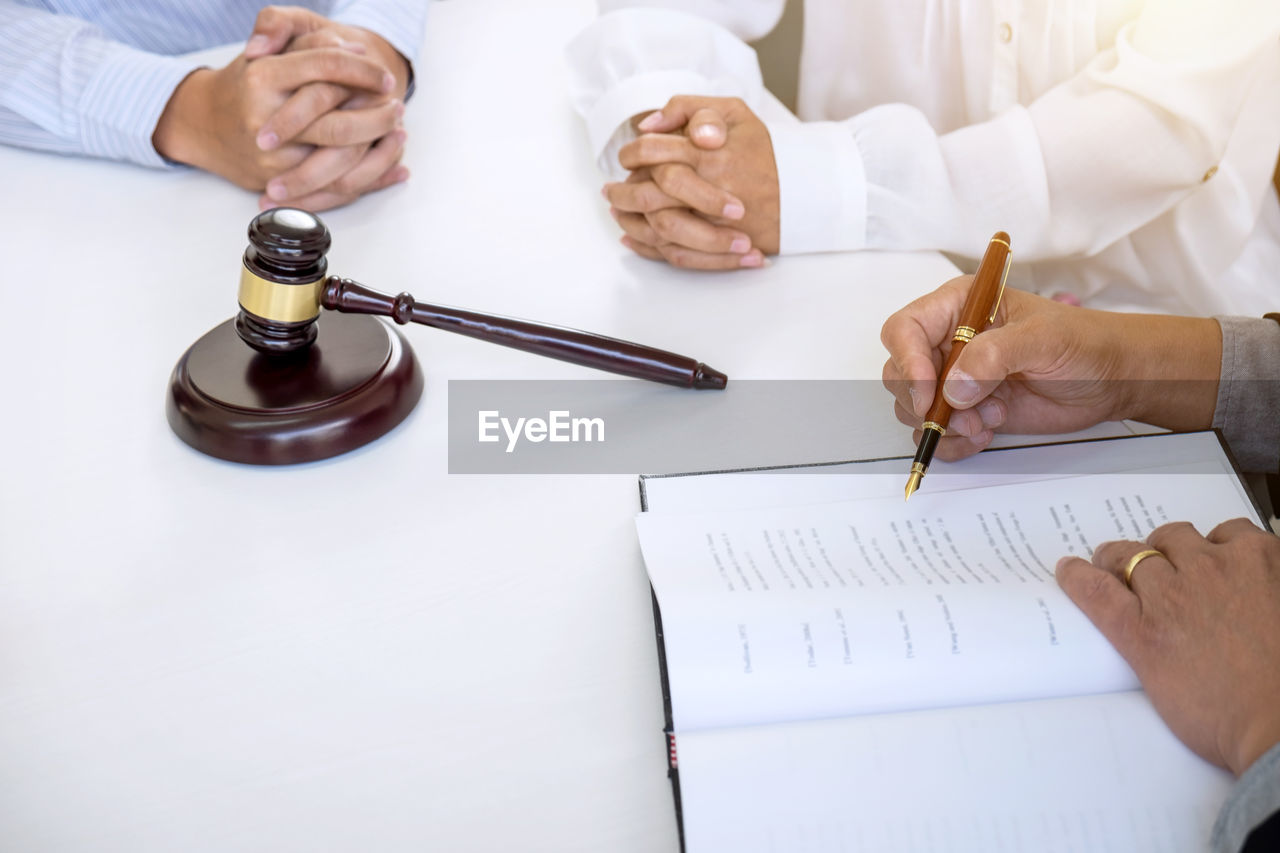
822 186
608 121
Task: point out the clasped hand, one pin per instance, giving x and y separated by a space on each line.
309 114
703 186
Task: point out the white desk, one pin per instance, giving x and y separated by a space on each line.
364 653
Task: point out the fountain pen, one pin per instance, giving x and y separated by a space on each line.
979 309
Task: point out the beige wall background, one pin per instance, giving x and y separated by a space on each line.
780 54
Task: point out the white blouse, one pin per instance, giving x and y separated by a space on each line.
1126 146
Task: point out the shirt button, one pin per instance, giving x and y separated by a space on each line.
1213 170
1006 33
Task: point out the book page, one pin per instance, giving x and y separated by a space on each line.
879 605
884 478
1076 774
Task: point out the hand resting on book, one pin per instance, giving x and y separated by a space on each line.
1199 629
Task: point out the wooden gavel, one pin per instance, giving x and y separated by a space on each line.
283 287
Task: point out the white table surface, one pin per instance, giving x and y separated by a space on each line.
365 653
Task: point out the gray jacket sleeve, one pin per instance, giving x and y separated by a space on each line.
1248 413
1248 408
1255 797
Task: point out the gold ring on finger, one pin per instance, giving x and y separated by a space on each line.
1133 564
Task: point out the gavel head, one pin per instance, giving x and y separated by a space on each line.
284 271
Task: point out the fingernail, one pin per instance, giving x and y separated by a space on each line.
751 259
626 241
1062 561
740 245
613 211
733 210
915 401
276 190
989 411
604 191
258 42
388 82
983 438
402 135
268 140
707 133
651 121
960 389
353 46
402 175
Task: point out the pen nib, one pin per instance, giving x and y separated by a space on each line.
913 483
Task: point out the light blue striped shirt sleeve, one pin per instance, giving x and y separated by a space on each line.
65 87
401 22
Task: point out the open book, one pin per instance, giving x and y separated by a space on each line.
845 671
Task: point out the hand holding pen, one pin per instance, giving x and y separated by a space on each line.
979 309
1046 367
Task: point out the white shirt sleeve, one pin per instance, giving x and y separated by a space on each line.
630 60
1089 162
64 87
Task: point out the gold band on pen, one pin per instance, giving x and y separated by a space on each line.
964 333
281 303
1001 242
917 468
935 426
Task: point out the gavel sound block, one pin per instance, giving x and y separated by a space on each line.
284 382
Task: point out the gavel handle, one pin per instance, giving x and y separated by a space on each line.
572 345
